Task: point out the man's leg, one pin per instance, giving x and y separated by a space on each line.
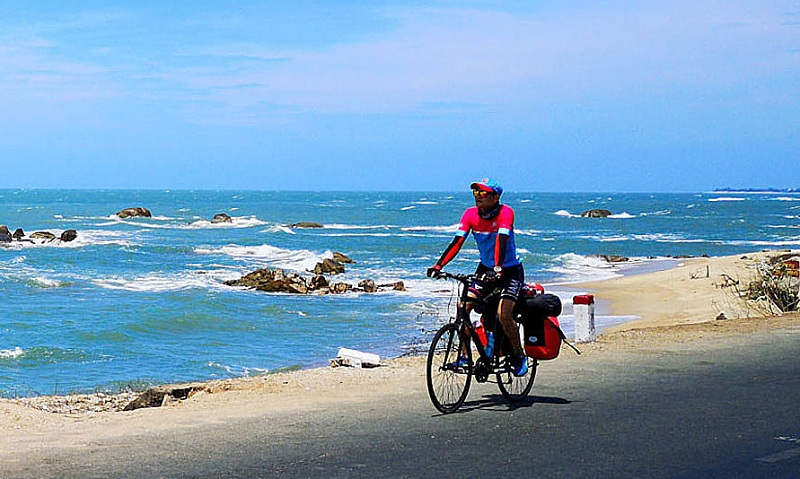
505 311
465 339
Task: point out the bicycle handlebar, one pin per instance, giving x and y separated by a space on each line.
466 279
462 278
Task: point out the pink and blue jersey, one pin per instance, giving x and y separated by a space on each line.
495 238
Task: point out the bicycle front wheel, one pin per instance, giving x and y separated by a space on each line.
448 379
516 388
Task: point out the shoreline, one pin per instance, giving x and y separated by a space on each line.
34 433
689 294
694 290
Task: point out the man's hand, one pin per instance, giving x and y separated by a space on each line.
491 276
434 272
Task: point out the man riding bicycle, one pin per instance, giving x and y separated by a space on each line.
492 226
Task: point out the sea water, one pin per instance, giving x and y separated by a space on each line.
141 301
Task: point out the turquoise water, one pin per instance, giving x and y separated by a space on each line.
142 301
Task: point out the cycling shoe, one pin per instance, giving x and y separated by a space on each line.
520 364
461 363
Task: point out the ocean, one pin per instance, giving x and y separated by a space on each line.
142 301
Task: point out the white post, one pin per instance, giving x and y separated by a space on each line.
583 313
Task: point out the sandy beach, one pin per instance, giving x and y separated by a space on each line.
683 304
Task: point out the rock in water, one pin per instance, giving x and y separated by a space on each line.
137 212
596 213
342 258
305 224
43 235
69 235
329 266
368 286
221 218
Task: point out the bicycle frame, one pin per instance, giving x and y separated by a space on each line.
463 321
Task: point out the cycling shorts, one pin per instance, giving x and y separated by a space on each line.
510 282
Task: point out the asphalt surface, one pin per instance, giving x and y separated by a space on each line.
719 408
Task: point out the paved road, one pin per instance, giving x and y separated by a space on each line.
714 409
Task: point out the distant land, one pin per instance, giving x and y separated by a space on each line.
757 190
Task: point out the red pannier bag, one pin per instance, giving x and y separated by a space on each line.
543 338
538 313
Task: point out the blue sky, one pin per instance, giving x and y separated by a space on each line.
313 95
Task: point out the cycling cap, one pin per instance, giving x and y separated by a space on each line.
487 184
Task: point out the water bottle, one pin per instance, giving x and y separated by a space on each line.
480 331
489 343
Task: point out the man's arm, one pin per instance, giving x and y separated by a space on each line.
450 252
505 224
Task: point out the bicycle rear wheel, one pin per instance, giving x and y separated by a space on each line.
448 382
516 388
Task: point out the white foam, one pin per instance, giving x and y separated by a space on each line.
281 229
297 260
101 238
657 213
236 222
11 353
727 198
339 226
526 232
162 282
84 238
623 216
784 226
571 268
566 214
238 371
787 242
448 229
43 282
406 208
376 235
655 238
786 198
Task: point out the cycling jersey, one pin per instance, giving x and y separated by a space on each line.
495 238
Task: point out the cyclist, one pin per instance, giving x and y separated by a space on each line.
492 226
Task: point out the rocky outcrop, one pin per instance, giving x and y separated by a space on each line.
278 281
37 237
368 286
305 224
136 212
162 395
341 258
613 258
329 266
69 235
596 213
43 235
221 218
333 265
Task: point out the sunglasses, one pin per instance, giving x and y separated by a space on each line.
480 193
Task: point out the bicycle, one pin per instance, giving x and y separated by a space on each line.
449 376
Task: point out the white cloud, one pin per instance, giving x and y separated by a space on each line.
502 60
497 60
